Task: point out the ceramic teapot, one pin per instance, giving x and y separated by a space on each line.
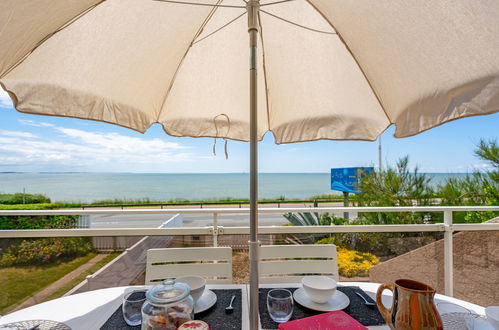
412 306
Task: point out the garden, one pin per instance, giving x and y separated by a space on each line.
29 265
399 186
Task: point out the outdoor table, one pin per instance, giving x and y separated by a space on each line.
90 310
371 288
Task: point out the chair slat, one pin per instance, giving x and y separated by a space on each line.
281 262
283 279
298 251
298 267
189 254
220 272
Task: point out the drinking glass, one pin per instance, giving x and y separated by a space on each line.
132 307
280 305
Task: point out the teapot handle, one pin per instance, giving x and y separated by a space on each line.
385 312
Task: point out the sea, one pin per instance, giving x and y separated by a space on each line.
92 187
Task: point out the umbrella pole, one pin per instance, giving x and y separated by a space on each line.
252 8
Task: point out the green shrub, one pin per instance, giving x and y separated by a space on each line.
39 251
20 198
43 251
42 206
38 222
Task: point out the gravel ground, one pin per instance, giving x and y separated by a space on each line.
240 267
240 270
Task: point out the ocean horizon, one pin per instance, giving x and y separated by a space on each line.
88 187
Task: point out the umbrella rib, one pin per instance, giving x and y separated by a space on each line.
62 27
296 24
356 61
200 4
264 72
197 34
274 3
220 28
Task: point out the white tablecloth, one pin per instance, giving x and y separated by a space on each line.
90 310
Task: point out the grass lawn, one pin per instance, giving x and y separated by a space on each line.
19 283
62 290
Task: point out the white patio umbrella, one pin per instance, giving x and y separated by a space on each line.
329 69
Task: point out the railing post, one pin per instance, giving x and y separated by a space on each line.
89 287
448 255
215 229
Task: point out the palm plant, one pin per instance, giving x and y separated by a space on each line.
313 219
303 219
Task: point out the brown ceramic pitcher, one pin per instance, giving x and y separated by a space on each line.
412 306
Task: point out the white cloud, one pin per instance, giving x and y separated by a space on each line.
468 168
34 123
5 101
482 167
117 142
88 151
17 134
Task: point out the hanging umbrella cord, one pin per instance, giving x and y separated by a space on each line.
216 135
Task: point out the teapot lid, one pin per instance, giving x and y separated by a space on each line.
168 292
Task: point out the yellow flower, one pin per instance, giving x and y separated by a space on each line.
354 263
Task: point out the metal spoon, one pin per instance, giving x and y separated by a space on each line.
33 327
230 309
366 302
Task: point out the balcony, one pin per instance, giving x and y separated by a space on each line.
461 260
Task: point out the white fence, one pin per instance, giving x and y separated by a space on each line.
83 221
447 227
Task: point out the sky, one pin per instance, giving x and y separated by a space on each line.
33 143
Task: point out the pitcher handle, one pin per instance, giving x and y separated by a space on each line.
385 312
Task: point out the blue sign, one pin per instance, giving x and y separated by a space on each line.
347 179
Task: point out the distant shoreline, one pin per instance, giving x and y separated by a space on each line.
89 187
197 173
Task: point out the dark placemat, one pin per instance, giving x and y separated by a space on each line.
365 315
216 316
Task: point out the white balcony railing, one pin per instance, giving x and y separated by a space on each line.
214 230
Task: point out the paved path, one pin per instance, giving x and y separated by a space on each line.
47 291
195 220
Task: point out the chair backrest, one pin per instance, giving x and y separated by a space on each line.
290 263
212 263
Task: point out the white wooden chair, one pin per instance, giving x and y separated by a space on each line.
212 263
290 263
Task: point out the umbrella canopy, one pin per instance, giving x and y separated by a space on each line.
338 69
415 64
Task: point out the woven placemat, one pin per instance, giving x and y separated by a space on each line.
42 325
216 316
357 309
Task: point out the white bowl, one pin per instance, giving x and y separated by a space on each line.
319 288
196 283
492 313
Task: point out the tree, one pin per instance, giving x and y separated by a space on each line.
479 188
395 187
